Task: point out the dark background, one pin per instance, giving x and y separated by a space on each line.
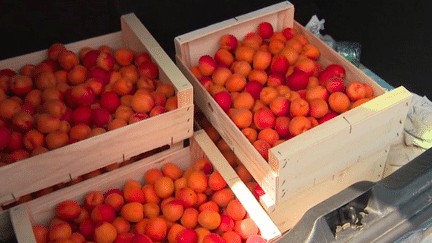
395 35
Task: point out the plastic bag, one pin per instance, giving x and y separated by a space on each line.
350 50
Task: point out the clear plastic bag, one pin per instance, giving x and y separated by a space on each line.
350 50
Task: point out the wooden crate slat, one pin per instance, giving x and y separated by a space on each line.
368 168
21 224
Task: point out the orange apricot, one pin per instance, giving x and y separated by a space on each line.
172 171
339 102
198 181
209 219
236 210
223 197
244 53
132 211
299 124
164 187
189 219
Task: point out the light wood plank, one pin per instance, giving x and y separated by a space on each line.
21 224
367 168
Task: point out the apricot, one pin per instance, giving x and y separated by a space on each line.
264 118
189 219
152 174
246 228
236 82
115 200
222 197
339 102
198 181
61 231
242 117
232 237
105 232
241 67
253 40
121 225
299 107
209 219
79 131
55 107
40 233
261 60
235 210
151 210
156 229
228 42
216 181
173 210
299 124
318 107
164 187
67 59
243 173
356 91
22 121
33 139
56 139
206 65
124 56
132 211
142 102
243 100
9 107
223 57
172 171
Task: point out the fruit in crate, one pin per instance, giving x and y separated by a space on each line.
70 96
195 205
268 76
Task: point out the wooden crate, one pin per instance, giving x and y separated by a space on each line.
69 162
323 160
41 210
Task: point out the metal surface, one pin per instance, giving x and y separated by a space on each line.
396 209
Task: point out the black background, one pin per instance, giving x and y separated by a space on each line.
395 35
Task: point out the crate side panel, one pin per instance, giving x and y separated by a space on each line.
367 168
66 163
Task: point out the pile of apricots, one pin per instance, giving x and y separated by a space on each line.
194 206
70 96
273 87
